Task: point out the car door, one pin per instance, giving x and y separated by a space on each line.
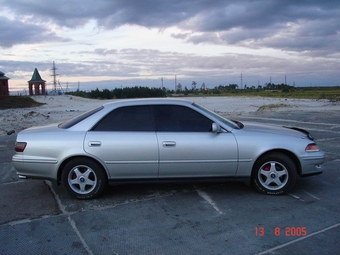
189 148
126 142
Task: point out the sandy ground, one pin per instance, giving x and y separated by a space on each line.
60 108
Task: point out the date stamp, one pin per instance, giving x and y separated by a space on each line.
286 231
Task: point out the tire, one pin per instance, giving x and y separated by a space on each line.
84 178
274 174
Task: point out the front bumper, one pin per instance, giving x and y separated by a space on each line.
312 164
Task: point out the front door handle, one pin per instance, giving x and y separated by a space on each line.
169 144
95 143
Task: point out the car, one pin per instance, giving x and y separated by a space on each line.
147 140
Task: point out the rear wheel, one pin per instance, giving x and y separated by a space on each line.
84 178
274 174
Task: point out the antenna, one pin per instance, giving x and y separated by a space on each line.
54 75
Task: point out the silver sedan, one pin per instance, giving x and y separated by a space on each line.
162 140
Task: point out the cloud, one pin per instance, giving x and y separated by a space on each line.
256 23
104 52
171 63
291 26
307 33
109 14
17 32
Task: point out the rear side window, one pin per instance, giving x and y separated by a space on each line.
176 118
131 118
73 121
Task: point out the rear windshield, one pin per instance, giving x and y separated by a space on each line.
77 119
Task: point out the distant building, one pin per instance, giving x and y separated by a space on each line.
4 91
37 82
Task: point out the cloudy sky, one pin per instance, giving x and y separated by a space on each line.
124 43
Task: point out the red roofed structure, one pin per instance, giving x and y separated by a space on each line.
4 91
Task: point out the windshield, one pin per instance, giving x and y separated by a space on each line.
218 117
75 120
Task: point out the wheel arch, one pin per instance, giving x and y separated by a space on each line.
62 165
291 155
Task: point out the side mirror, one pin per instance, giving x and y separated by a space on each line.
215 128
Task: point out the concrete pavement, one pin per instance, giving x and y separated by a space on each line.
38 217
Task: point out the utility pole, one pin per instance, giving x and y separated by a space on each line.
61 88
241 81
54 75
175 83
162 82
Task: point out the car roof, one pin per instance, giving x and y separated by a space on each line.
147 101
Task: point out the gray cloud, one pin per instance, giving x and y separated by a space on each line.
17 32
255 23
110 14
104 52
135 65
299 27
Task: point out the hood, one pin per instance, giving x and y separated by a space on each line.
279 130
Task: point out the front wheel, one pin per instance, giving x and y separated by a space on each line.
274 174
84 178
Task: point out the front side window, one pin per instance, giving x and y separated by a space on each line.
215 115
176 118
131 118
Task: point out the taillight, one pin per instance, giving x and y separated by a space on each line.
20 146
312 147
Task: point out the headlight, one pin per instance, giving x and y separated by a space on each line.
312 147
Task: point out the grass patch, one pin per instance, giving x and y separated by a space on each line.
12 102
329 93
333 95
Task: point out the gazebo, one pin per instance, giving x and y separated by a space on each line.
36 81
4 91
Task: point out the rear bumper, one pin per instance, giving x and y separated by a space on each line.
35 168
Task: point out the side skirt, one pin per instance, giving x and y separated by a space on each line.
245 180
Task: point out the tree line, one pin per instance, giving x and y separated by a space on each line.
120 93
147 92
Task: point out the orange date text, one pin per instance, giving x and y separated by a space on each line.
286 231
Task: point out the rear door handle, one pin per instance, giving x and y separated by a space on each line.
95 143
169 144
